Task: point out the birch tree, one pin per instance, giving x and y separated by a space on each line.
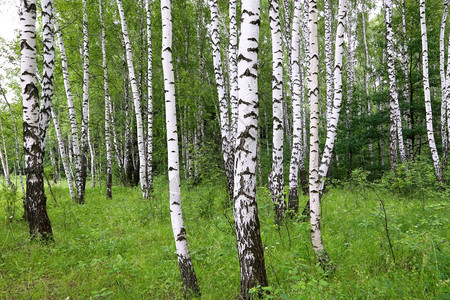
188 276
337 98
444 119
328 60
296 109
233 69
276 177
64 158
314 179
250 248
395 130
149 97
72 114
107 107
225 130
39 223
426 88
137 105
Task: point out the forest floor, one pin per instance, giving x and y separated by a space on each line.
124 249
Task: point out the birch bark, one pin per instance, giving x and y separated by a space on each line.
107 108
64 157
444 119
276 177
334 117
314 179
39 223
137 105
426 87
72 114
250 248
225 130
296 109
188 276
149 97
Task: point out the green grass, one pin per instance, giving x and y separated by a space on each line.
124 249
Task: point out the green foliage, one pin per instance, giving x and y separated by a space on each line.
10 200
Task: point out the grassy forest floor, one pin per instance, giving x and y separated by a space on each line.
124 249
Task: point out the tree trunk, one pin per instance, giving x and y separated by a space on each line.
72 113
64 158
188 276
276 177
296 109
250 248
137 105
334 117
225 129
444 119
4 159
107 108
149 98
396 132
39 223
328 60
314 179
426 87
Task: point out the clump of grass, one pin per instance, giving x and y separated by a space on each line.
123 248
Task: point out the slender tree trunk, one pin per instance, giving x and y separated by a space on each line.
426 87
149 97
328 60
444 119
72 114
334 117
233 67
64 158
225 129
296 109
276 177
396 132
107 108
137 105
405 89
16 139
314 179
188 276
39 223
4 159
250 248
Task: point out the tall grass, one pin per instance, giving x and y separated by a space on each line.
124 249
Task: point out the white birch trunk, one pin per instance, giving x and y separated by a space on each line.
406 92
426 87
334 117
250 248
137 105
396 132
107 108
225 129
149 97
314 179
4 159
233 74
63 154
39 223
276 177
188 276
328 60
49 66
296 109
444 119
72 114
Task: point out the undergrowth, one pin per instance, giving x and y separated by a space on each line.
124 249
